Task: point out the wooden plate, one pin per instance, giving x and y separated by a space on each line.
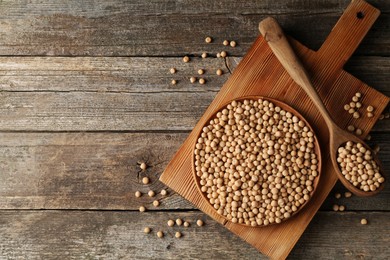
283 106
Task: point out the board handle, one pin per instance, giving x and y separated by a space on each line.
348 32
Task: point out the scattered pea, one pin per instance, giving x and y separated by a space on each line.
164 192
145 180
199 222
358 94
358 105
355 99
368 137
351 128
160 234
352 104
174 82
356 115
172 70
186 59
337 195
138 194
200 71
351 111
363 221
387 115
346 107
186 224
147 230
143 166
151 193
178 234
179 222
171 223
381 117
341 208
219 72
225 42
142 209
223 54
192 79
369 115
202 81
370 108
208 39
347 194
335 207
358 131
233 44
204 55
218 55
156 203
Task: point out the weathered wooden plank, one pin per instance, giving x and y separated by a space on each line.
99 94
100 171
99 111
112 74
84 171
113 235
145 74
83 111
122 28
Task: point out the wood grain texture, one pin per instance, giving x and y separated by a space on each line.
259 73
100 93
101 171
115 235
157 28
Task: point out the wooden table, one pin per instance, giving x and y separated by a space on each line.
85 95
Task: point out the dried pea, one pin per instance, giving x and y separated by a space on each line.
156 203
192 79
145 180
199 222
186 59
143 166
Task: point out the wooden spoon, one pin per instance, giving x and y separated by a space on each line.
277 41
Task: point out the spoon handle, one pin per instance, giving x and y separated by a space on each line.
273 34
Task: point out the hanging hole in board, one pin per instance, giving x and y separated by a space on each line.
360 15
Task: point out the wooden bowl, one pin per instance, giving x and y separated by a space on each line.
285 107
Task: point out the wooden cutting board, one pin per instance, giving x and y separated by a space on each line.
260 73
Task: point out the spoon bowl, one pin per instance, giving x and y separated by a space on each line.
273 34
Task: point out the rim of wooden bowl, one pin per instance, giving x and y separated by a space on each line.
285 107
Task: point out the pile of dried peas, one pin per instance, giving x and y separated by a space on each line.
358 166
256 162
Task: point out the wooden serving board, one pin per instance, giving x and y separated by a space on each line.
260 73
